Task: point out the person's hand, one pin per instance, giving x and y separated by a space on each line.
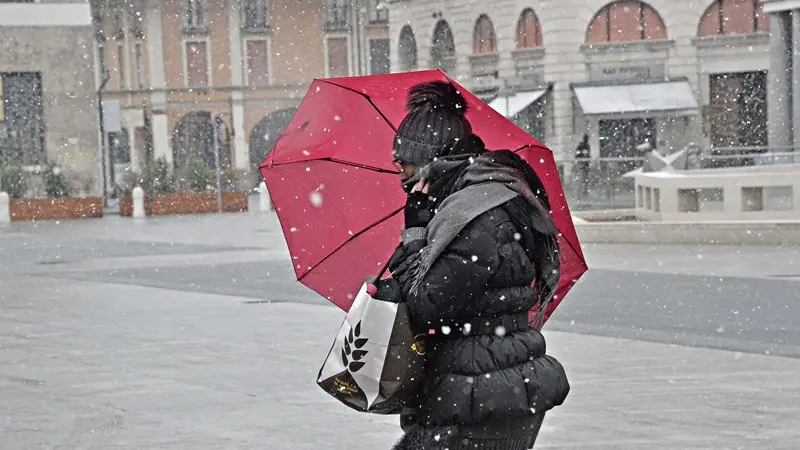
419 208
387 290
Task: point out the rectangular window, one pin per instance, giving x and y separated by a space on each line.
120 147
194 16
136 19
379 56
117 21
137 50
336 13
338 60
121 65
255 14
196 64
22 139
377 14
257 62
738 105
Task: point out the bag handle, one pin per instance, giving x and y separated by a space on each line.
385 267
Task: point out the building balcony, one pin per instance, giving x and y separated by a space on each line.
731 40
337 17
528 62
483 71
654 46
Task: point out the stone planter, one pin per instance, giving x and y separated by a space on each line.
126 205
56 208
186 203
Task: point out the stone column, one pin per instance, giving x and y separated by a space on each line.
135 157
594 137
158 98
241 155
779 84
795 78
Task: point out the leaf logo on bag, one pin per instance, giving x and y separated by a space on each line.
351 353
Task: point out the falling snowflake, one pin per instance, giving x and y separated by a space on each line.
337 118
316 199
517 236
445 330
500 331
474 258
293 229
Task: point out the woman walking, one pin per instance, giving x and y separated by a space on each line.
478 252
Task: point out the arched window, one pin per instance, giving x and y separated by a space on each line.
407 49
626 21
484 39
529 32
443 51
734 17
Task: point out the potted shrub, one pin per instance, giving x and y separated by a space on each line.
58 204
156 182
13 181
197 195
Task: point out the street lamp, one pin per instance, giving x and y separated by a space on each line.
215 123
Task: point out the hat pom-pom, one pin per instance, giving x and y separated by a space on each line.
436 95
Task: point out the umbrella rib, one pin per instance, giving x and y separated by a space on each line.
361 166
367 98
338 161
348 241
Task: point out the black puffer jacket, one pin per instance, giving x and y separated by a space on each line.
488 379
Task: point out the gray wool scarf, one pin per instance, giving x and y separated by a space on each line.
484 184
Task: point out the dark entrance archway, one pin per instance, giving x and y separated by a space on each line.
265 135
193 140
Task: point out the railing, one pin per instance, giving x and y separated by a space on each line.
599 184
337 15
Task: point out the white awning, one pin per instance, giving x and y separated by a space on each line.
671 97
515 103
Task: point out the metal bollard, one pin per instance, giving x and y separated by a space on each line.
138 202
5 205
263 197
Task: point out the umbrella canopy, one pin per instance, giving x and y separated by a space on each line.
338 196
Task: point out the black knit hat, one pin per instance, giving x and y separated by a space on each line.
435 120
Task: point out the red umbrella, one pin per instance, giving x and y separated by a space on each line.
338 196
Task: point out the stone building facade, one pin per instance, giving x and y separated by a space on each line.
784 73
48 95
174 64
670 73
